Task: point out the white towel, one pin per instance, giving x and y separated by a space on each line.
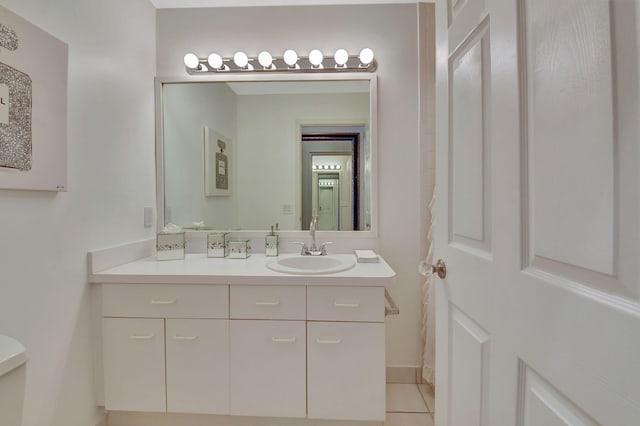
366 256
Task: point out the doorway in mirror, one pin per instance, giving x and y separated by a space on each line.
332 166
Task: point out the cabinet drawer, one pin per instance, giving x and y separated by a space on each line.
165 301
329 303
268 302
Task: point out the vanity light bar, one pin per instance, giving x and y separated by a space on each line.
340 61
326 167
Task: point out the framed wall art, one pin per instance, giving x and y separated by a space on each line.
217 164
33 106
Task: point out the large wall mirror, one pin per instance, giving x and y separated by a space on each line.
245 154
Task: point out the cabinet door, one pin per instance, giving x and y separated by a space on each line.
197 366
346 371
268 367
134 377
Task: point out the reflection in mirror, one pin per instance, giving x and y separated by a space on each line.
246 155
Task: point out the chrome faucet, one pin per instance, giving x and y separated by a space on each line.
312 231
314 250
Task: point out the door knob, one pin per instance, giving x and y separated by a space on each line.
440 269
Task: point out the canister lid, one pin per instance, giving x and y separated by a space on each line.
12 354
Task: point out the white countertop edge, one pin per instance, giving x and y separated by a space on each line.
199 269
12 354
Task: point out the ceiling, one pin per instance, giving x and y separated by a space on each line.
168 4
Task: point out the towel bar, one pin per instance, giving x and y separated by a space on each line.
392 309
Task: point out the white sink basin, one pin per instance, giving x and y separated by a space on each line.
312 265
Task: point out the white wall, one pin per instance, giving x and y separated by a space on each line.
44 237
392 32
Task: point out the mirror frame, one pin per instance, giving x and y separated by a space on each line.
251 77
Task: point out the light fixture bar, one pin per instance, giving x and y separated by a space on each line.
290 62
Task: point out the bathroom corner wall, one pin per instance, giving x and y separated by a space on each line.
391 30
45 236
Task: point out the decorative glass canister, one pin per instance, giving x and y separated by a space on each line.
170 246
239 249
217 244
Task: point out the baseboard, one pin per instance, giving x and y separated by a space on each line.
404 374
122 418
101 420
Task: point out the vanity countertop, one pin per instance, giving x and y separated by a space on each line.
200 269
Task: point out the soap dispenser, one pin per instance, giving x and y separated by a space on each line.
271 242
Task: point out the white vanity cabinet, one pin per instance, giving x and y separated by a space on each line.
346 353
150 329
179 338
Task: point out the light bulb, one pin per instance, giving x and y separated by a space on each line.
341 57
290 57
315 57
265 59
366 56
241 59
191 61
215 61
338 167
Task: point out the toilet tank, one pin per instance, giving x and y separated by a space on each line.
12 380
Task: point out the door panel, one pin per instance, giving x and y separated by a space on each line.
570 168
346 371
542 404
268 368
197 365
469 158
134 374
469 370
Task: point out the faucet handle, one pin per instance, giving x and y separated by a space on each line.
323 247
304 250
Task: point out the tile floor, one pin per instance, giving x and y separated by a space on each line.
409 405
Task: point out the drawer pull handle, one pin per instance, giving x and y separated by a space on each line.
274 303
346 305
163 302
178 337
283 339
328 341
142 336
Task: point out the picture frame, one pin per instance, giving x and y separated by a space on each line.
218 164
33 106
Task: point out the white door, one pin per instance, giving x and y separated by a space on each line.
538 218
328 204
